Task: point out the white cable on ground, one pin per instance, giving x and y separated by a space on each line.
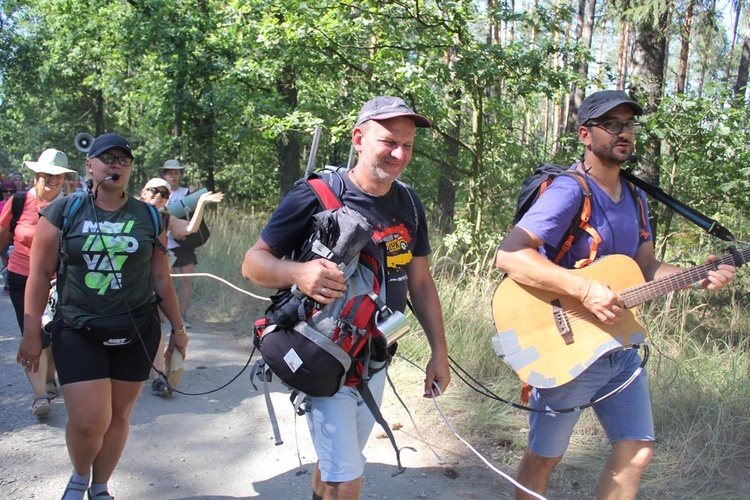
508 478
208 275
432 391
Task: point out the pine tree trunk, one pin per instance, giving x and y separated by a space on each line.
649 56
684 48
740 87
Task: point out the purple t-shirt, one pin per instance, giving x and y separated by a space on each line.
616 222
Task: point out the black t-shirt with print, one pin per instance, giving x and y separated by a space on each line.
398 219
108 269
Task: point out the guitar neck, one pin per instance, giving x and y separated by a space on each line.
637 295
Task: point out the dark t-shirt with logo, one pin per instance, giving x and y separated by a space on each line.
398 219
108 268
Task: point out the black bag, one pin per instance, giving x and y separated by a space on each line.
120 330
305 359
196 239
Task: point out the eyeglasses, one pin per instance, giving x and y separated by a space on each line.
109 159
11 191
161 192
615 128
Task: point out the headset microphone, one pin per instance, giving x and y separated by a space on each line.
632 159
112 177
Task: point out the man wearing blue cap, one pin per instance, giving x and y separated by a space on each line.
383 137
607 128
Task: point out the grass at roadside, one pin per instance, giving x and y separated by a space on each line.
698 371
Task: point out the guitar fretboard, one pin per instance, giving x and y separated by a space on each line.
637 295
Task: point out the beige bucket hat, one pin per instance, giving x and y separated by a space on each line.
51 161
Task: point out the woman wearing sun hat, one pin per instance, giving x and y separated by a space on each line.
50 172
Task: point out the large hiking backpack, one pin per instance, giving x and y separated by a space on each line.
313 349
536 184
318 349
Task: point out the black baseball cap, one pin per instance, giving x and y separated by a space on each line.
384 107
600 102
107 141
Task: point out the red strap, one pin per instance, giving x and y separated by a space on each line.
526 393
325 194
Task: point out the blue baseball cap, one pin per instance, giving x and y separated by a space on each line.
107 141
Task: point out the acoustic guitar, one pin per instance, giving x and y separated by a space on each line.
548 339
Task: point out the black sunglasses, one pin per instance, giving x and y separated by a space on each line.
161 192
109 159
11 191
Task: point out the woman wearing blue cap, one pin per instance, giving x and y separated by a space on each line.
107 329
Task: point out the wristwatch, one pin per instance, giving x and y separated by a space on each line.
179 331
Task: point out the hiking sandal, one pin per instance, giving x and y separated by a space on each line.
104 495
52 390
73 486
41 407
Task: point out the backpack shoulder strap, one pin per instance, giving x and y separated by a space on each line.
323 186
16 210
643 235
580 223
72 204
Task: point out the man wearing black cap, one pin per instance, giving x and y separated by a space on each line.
383 137
607 129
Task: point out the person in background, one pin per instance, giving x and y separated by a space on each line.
106 329
50 170
607 129
72 183
156 192
17 179
9 189
186 259
383 137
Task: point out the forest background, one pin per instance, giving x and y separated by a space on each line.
235 89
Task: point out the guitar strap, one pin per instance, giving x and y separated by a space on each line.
706 223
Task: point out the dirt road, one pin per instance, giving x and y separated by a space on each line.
220 445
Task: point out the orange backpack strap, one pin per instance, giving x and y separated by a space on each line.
582 225
643 222
526 393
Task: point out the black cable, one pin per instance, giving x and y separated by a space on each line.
455 367
162 376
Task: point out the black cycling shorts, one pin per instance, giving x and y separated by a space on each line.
79 359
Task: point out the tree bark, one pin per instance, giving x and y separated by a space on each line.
288 150
584 32
446 207
684 48
649 58
740 87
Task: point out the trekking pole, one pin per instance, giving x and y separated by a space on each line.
313 151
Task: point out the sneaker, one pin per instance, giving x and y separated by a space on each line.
186 323
159 388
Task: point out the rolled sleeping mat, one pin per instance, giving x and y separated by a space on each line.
186 205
